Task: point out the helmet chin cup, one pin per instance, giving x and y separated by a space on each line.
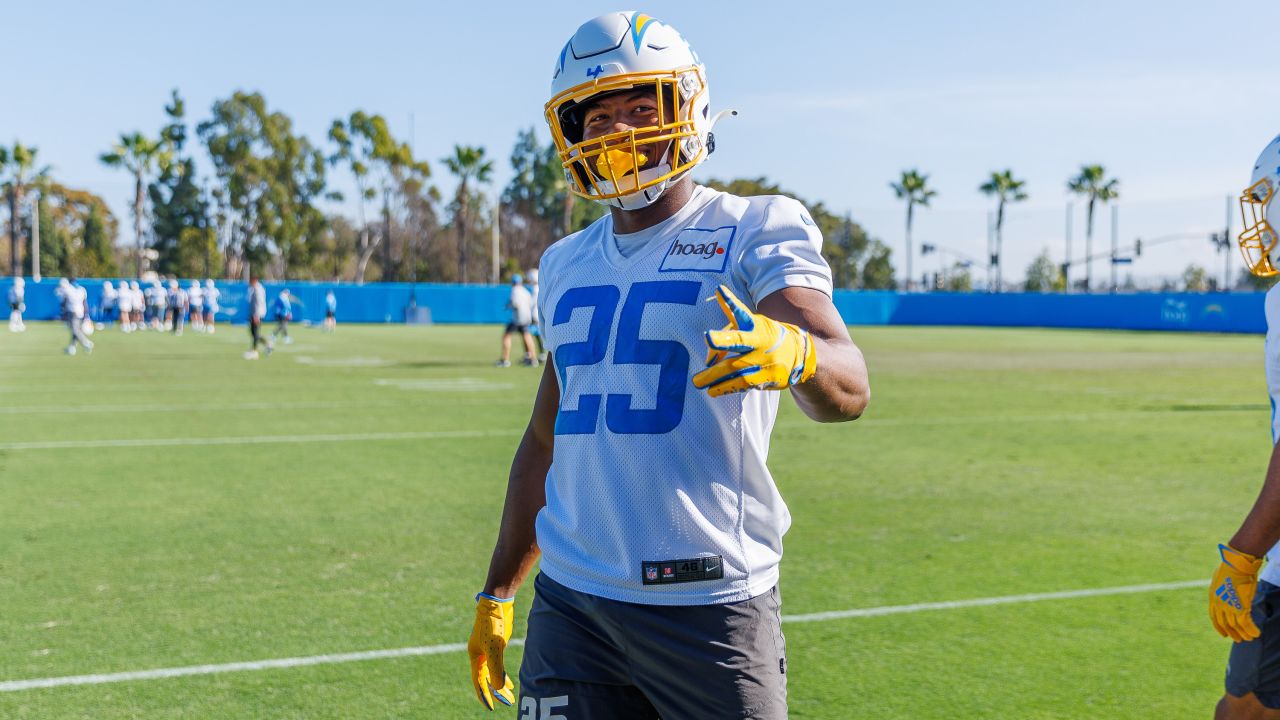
647 195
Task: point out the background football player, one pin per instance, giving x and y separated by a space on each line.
641 480
1244 597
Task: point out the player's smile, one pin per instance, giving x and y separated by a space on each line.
618 118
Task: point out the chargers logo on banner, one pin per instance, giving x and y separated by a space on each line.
699 250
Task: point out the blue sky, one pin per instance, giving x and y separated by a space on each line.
835 98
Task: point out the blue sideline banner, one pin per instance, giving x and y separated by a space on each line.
396 302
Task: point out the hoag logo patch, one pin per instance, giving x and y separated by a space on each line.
698 249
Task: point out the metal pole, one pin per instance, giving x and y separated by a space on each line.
1115 248
991 253
35 236
1066 263
497 213
1226 250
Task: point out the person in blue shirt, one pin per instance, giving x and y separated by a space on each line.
330 312
283 310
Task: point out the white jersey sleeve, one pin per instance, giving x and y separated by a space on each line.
785 251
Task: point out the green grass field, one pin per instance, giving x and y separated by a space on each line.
992 462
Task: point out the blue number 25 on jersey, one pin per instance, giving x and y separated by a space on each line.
629 349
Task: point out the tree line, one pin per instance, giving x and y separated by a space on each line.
255 199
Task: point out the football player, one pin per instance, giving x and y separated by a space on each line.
73 300
330 312
671 324
1244 596
195 301
520 303
17 304
256 305
107 306
534 328
211 296
282 308
177 300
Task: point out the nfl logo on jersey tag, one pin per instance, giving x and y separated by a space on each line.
699 250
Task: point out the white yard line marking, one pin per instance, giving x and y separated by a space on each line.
169 407
14 685
254 440
982 602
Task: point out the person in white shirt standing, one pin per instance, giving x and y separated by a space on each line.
535 328
195 302
177 307
110 301
73 300
211 296
641 484
17 304
520 304
125 305
256 302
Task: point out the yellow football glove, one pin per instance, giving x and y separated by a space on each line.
1231 594
767 354
494 617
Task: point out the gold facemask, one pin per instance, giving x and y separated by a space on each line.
617 159
1258 239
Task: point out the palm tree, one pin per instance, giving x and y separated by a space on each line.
1092 184
468 163
1006 189
17 166
912 187
139 155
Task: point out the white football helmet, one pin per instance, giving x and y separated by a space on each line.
1258 206
617 52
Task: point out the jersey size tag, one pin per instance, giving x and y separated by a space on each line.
663 572
698 249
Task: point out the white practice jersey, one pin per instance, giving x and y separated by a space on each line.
258 301
211 297
521 305
109 298
72 298
195 296
659 493
1271 348
16 295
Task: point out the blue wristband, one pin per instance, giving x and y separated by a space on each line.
487 596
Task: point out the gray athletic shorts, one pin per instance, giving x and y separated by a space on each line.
588 658
1254 666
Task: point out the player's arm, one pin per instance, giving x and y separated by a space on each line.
517 548
515 551
1235 583
1261 528
839 389
795 340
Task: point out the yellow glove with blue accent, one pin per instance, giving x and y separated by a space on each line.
1231 594
754 351
489 637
